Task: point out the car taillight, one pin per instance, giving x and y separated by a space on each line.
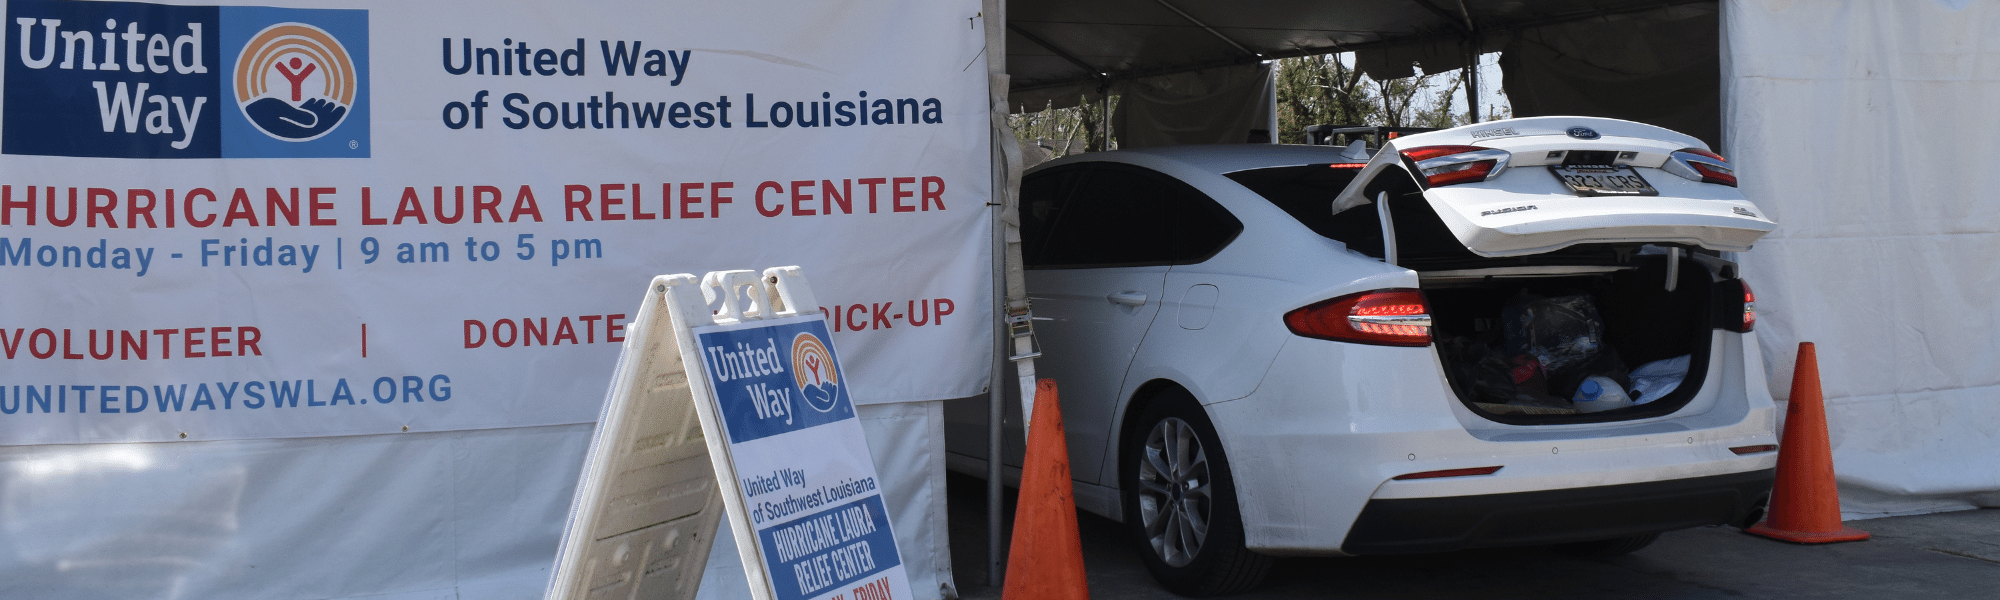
1749 307
1736 306
1695 164
1392 317
1452 165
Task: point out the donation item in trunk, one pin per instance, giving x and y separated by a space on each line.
1547 347
1566 335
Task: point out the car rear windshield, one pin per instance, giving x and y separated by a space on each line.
1305 192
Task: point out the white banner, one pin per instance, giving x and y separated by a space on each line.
344 217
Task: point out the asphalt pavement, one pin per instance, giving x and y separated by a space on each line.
1944 555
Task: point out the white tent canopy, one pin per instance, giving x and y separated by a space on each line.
1172 62
1858 125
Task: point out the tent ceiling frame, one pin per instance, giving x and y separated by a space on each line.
1464 26
1456 25
1211 30
1095 73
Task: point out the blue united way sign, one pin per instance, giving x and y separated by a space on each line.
775 379
799 461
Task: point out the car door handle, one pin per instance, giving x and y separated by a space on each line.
1128 298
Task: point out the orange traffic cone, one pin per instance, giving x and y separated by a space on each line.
1805 505
1046 558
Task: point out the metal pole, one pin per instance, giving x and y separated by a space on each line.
1472 85
996 567
1473 77
994 13
1471 62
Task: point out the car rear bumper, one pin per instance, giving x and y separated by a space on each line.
1311 454
1413 525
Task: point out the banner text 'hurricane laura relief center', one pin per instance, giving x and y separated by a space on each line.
234 222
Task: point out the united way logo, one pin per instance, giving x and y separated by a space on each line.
298 82
294 82
813 370
141 80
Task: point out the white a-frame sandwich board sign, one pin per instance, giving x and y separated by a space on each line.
644 516
791 465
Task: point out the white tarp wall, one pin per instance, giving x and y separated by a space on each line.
1866 129
299 302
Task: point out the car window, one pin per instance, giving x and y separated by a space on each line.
1043 196
1104 215
1306 192
1201 227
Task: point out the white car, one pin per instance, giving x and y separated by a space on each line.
1512 333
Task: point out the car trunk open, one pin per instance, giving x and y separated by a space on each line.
1518 341
1632 316
1645 305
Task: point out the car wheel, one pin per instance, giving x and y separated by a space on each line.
1610 547
1180 502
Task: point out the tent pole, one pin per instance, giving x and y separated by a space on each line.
996 568
994 13
1472 82
1471 63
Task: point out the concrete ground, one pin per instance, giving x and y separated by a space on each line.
1945 555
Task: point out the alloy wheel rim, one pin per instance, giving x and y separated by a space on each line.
1174 492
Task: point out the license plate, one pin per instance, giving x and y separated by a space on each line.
1597 180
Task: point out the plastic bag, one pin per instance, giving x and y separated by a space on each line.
1607 364
1477 363
1559 332
1654 380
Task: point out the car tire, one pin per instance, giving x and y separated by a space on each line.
1180 502
1610 547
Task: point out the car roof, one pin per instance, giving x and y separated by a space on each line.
1225 158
